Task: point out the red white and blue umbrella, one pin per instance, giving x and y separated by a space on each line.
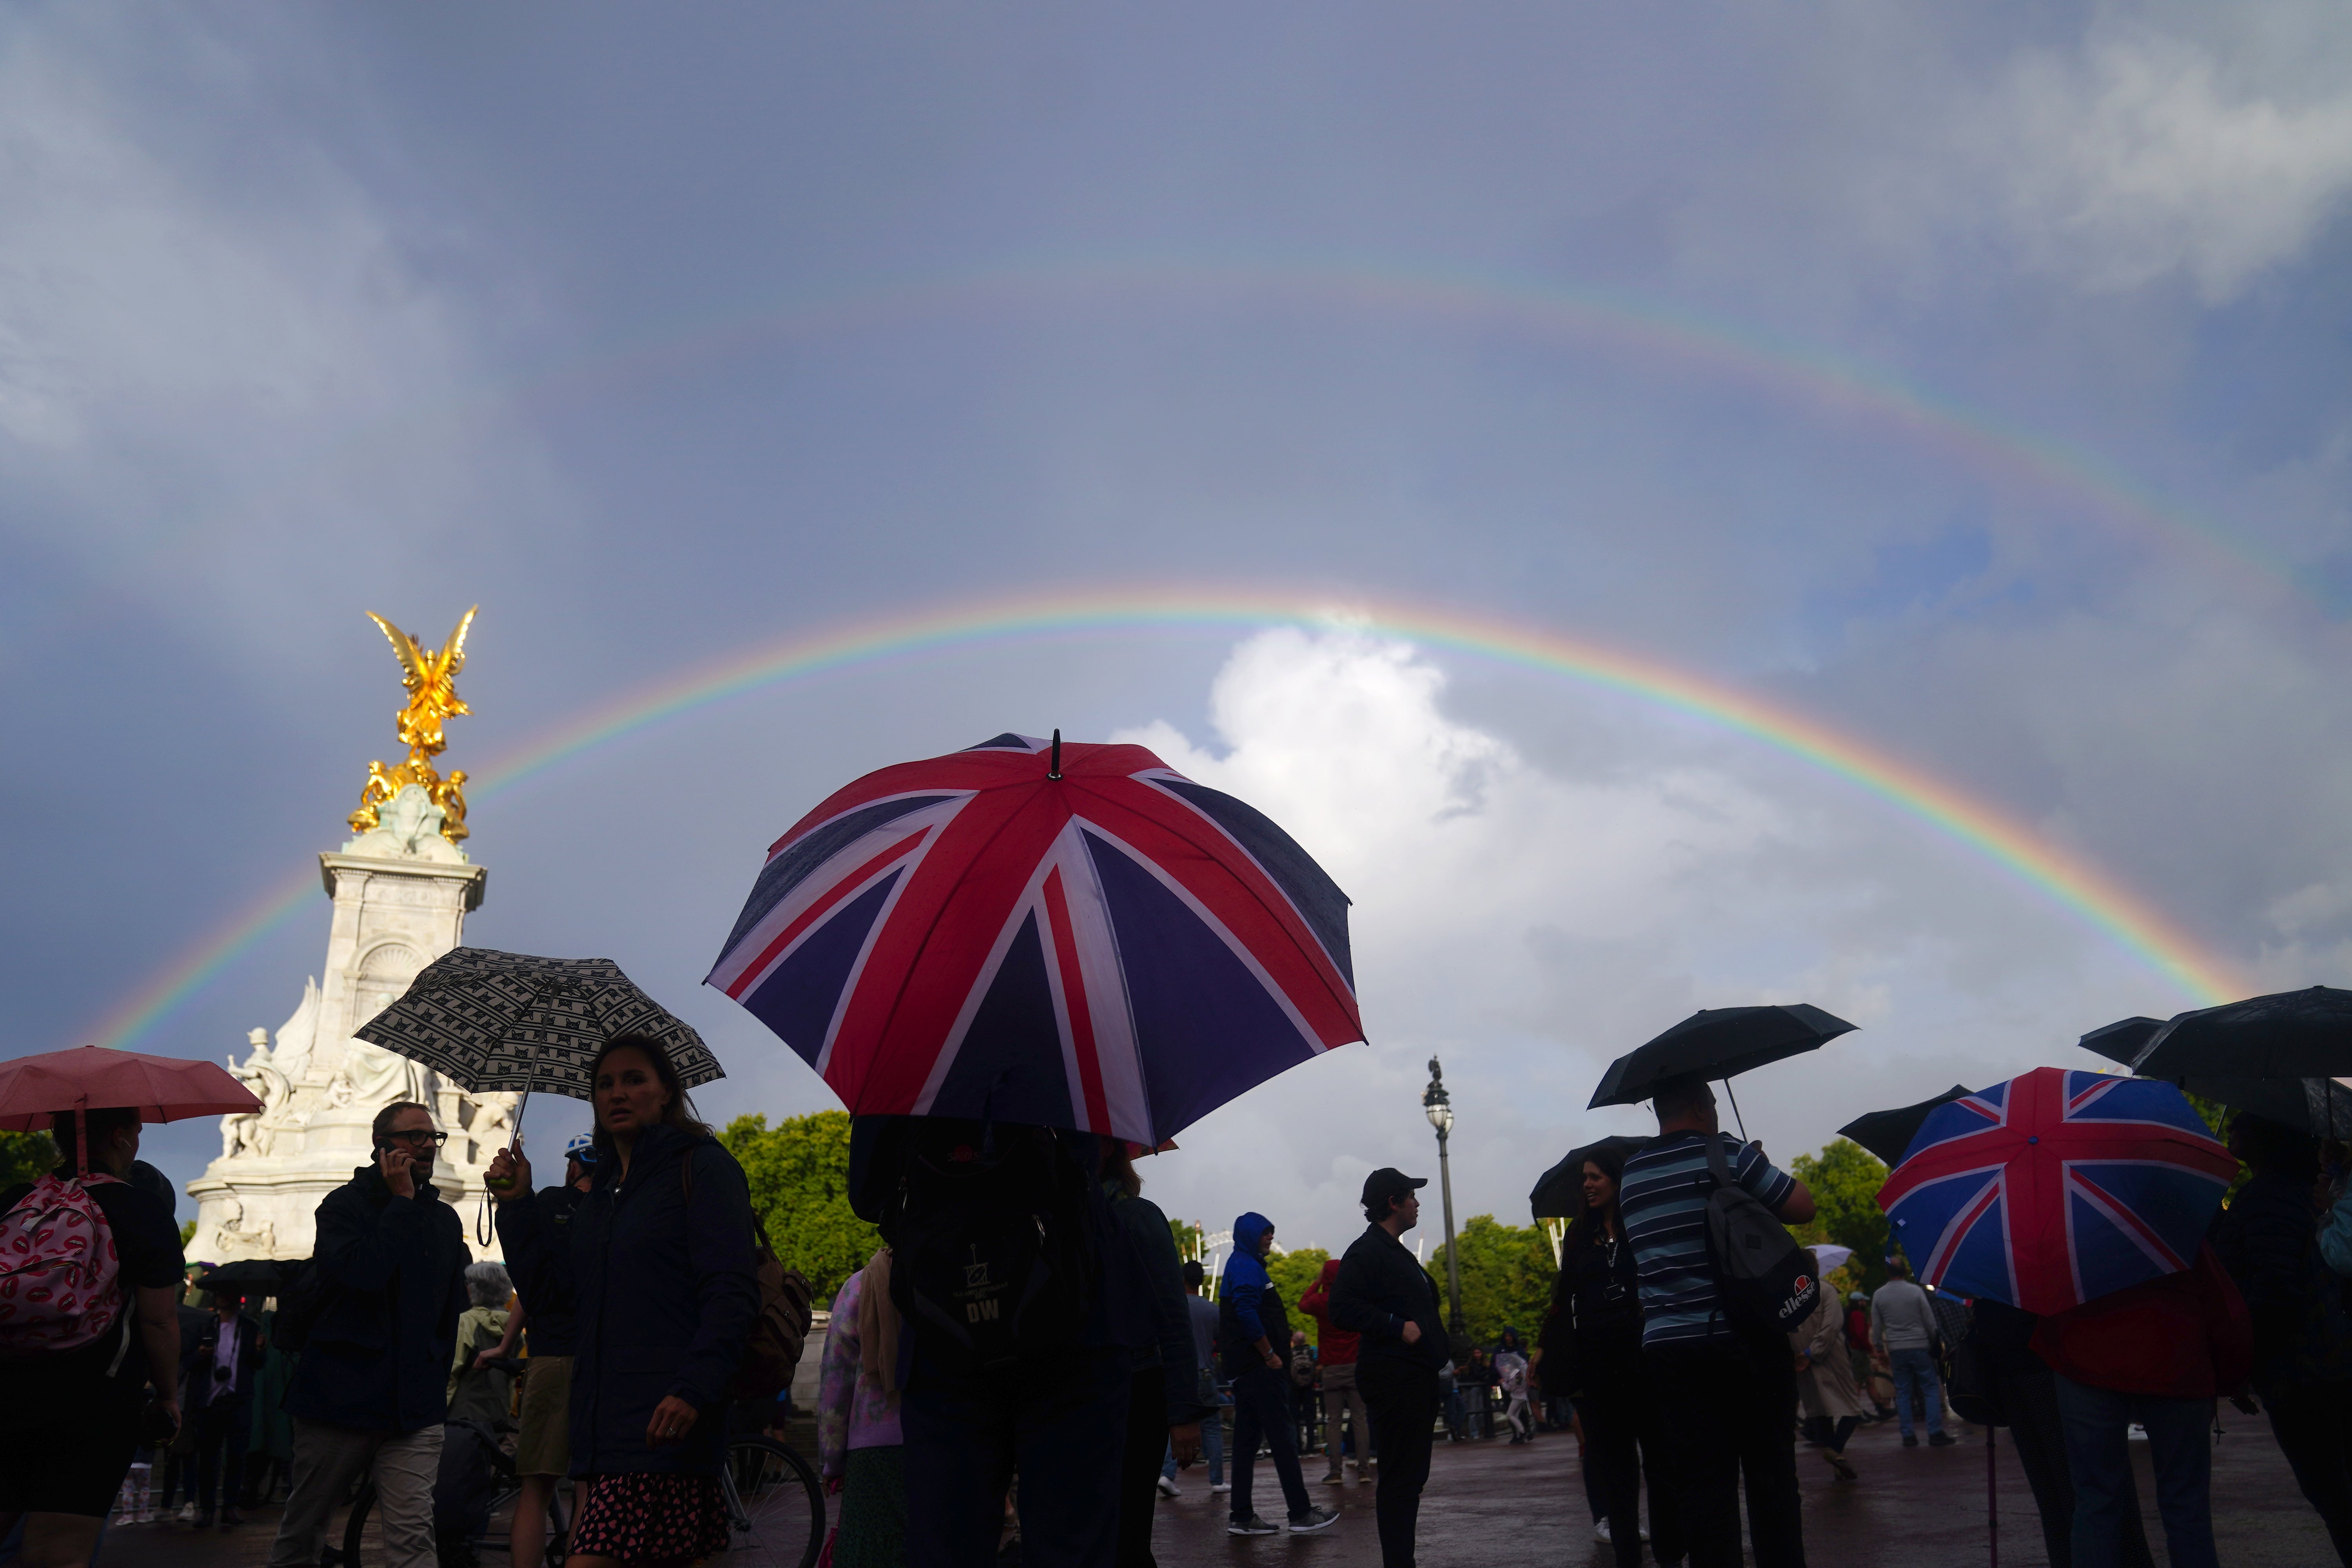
2056 1188
1069 936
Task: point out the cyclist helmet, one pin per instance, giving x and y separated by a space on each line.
583 1149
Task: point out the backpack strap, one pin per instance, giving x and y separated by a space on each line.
1716 1166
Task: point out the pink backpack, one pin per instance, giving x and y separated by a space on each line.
61 1282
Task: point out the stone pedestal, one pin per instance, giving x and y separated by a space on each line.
401 895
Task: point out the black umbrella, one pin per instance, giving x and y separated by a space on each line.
2319 1106
2295 1034
512 1021
1888 1133
1716 1043
1559 1193
248 1276
2122 1040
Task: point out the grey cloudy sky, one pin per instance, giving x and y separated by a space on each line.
1973 380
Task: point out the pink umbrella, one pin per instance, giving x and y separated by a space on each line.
92 1077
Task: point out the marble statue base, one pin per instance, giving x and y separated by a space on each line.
401 895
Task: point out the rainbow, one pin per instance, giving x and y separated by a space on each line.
2055 874
2005 454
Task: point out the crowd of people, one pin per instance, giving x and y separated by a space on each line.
1028 1355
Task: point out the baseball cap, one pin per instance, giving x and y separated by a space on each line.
1386 1183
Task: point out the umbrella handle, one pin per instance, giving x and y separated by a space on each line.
1735 1110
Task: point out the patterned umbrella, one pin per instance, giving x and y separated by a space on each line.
1073 937
511 1021
2056 1188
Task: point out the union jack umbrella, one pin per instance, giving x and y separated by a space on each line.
1069 936
2056 1188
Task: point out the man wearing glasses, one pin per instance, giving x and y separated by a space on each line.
371 1391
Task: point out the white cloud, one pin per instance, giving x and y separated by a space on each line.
1527 927
2140 156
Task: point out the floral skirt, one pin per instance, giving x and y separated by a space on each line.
643 1516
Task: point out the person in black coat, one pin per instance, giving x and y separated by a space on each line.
1591 1345
370 1390
1383 1293
658 1263
217 1379
2268 1240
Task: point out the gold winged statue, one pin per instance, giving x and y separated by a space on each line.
430 676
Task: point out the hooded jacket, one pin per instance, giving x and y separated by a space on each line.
665 1297
378 1357
1249 1307
1335 1346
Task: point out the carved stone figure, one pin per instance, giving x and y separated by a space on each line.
240 1237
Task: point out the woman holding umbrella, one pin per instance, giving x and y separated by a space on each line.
72 1417
1591 1352
660 1260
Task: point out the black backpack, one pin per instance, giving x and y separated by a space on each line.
994 1244
1761 1273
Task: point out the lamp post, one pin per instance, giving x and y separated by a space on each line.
1436 1105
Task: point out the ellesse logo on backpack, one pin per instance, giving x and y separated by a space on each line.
1791 1307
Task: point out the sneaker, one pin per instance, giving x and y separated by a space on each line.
1168 1487
1600 1530
231 1519
1942 1440
1335 1479
187 1514
1313 1519
1253 1525
1845 1471
204 1521
1910 1440
1222 1487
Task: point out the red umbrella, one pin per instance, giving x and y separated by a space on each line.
92 1077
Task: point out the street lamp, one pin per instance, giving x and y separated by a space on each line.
1437 1106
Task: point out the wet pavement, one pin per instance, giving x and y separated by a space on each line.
1494 1506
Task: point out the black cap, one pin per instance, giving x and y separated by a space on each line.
1387 1183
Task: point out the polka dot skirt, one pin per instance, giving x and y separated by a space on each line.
639 1516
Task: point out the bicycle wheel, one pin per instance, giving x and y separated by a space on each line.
356 1524
775 1507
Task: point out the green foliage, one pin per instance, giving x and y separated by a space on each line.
1188 1237
1507 1276
799 1174
1294 1274
26 1157
188 1232
1844 1179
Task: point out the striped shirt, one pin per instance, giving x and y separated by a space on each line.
1663 1204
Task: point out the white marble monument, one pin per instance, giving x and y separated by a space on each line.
401 890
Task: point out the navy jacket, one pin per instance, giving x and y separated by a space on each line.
2269 1241
663 1295
378 1359
1155 1297
547 1304
1380 1288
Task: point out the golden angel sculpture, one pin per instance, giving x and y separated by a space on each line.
430 676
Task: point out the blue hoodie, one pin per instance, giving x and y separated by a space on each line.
1249 1308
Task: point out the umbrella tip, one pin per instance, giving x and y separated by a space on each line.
1055 770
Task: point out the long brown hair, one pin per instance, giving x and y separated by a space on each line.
1589 1229
678 1113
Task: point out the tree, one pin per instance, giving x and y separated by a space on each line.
1187 1238
1294 1274
1507 1276
799 1174
26 1157
1844 1179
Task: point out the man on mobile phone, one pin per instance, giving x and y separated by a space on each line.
371 1391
